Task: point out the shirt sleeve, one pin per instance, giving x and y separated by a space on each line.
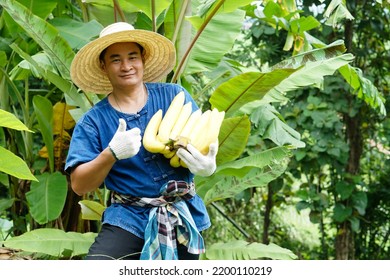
84 146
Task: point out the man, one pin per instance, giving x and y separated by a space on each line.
155 212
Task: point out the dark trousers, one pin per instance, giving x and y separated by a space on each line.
115 243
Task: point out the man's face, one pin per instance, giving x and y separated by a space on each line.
123 64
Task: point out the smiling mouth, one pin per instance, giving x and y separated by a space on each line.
127 75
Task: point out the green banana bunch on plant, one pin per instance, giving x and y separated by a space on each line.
179 127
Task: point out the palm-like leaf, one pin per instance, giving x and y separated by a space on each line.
253 171
312 66
44 34
364 88
242 250
206 54
270 125
53 242
216 18
73 98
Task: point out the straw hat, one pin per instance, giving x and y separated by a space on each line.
159 53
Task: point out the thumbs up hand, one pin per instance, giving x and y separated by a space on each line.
125 143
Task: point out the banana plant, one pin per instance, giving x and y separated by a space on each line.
190 25
9 162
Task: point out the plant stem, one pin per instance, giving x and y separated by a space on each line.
237 226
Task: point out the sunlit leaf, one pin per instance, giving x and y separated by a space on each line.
53 242
91 210
243 250
44 34
341 212
11 121
233 177
62 120
14 165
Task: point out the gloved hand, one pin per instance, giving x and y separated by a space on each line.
197 163
125 144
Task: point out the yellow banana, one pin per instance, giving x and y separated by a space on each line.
181 121
170 118
175 161
198 133
169 154
184 135
191 122
212 131
149 139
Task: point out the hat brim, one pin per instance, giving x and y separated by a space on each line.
87 74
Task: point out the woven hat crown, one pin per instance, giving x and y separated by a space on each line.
116 27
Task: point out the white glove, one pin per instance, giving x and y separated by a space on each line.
125 144
197 163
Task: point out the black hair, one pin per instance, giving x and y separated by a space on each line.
102 54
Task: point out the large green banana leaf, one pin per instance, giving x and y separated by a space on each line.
313 66
56 48
44 112
14 165
210 19
9 162
147 6
44 34
242 250
103 10
53 242
233 177
207 53
72 96
310 69
77 33
232 138
245 88
10 121
269 124
46 198
363 88
40 8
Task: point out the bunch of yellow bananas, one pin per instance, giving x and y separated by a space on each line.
179 127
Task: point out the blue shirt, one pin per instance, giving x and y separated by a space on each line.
141 175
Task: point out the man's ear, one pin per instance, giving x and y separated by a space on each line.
103 66
143 57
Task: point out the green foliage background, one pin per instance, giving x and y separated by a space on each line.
302 167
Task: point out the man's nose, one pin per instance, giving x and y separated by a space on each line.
126 65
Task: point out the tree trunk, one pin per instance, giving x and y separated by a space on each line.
345 238
267 215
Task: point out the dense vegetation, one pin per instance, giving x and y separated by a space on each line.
303 153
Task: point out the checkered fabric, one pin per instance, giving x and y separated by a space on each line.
170 221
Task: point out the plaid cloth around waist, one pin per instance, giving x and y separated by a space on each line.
169 222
